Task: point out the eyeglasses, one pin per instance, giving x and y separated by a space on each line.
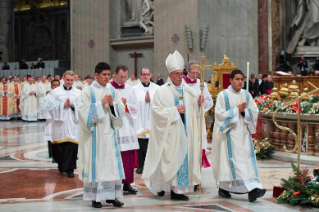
145 74
178 74
123 77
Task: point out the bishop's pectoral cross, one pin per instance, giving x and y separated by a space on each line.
202 67
135 55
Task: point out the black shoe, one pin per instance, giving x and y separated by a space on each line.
224 193
53 161
116 202
161 193
256 193
139 171
70 174
96 204
129 189
196 187
178 196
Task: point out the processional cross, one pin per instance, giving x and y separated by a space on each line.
202 67
135 55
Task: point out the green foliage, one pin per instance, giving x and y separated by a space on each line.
300 189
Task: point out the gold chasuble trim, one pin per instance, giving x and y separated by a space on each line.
65 140
144 133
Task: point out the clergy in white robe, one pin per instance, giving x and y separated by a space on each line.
172 160
145 91
127 136
192 81
41 93
132 81
234 160
29 102
65 125
46 106
100 164
77 83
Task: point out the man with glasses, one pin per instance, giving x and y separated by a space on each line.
192 81
127 136
172 160
145 91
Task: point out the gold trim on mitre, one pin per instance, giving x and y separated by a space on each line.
174 62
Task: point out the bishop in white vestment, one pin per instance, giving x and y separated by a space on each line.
127 136
172 160
100 162
29 102
234 160
145 91
65 125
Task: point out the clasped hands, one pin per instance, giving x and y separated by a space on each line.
241 107
147 97
31 93
107 99
181 108
68 103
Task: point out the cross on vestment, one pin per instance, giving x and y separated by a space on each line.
135 55
202 67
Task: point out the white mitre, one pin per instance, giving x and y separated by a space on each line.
174 62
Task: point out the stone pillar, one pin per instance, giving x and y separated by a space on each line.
6 32
263 36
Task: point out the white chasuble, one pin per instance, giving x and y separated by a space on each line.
207 105
65 126
144 118
172 160
100 163
234 160
29 103
41 93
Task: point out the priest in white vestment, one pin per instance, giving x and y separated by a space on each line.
77 83
100 163
29 102
145 91
17 91
172 160
132 81
234 160
65 125
192 81
127 136
41 93
45 106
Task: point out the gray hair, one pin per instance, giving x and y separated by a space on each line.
191 63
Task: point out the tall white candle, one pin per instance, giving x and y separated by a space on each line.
247 77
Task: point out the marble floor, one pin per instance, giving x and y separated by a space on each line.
29 181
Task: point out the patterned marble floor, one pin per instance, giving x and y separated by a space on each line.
30 182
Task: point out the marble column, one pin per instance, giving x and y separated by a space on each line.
263 36
6 32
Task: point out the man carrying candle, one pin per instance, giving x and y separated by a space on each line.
235 166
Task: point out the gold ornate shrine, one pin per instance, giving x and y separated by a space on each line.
22 5
220 79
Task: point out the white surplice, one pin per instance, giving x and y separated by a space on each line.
46 106
144 118
41 93
172 160
65 125
127 135
78 84
234 160
29 103
207 105
100 163
132 82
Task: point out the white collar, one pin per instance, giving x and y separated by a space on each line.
98 85
230 88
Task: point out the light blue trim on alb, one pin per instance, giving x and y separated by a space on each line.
92 108
230 112
252 149
182 173
228 139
